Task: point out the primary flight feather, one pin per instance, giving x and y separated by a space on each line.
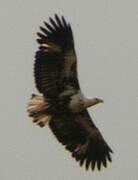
62 104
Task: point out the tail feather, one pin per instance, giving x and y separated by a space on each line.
37 109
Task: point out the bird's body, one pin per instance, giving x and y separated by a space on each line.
62 104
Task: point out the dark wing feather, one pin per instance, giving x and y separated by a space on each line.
55 65
82 138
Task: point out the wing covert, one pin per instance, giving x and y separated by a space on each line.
55 64
82 138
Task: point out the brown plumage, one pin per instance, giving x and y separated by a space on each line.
62 104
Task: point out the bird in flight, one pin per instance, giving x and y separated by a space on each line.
61 103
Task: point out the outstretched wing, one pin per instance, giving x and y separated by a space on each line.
82 138
55 65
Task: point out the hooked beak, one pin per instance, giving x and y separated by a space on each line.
100 100
92 102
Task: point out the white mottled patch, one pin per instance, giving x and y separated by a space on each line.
51 46
77 102
44 45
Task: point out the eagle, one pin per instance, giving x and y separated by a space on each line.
61 103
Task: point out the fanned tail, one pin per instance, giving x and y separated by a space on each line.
37 109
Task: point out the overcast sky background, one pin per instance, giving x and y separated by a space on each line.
106 39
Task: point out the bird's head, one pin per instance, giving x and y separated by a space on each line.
92 101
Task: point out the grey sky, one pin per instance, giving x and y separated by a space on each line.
106 38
